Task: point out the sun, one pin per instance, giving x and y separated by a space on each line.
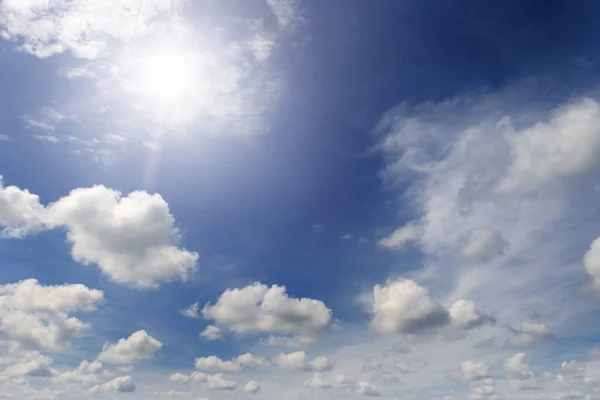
164 76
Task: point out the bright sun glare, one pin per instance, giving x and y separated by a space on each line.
164 76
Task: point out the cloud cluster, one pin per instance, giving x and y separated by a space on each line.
132 239
37 316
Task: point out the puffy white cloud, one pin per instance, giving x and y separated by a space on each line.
179 377
528 335
86 373
85 27
130 238
366 389
139 346
299 360
122 384
191 312
252 387
211 332
250 360
482 244
321 381
517 368
258 308
290 342
465 314
215 364
400 237
36 316
566 145
38 365
21 212
214 382
402 306
471 370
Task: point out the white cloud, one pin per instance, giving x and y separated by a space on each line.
591 261
212 332
215 364
212 382
86 373
529 334
258 308
398 239
566 145
321 381
137 347
252 387
123 384
38 365
300 361
517 368
85 27
20 212
465 314
482 244
286 12
471 370
4 138
191 311
179 377
366 389
402 306
250 360
36 316
130 238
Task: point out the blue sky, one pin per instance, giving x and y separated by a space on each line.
216 199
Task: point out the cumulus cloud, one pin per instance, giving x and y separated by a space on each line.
528 334
482 244
212 382
366 389
84 27
402 306
464 314
123 384
215 364
21 212
130 238
211 332
86 373
137 347
472 370
517 368
36 316
250 360
300 361
252 387
191 311
258 308
34 364
400 237
321 381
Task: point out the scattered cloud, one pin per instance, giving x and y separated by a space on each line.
137 347
366 389
252 387
191 311
299 360
321 381
398 239
211 332
528 334
472 370
123 384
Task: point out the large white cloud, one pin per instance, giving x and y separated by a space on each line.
85 27
258 308
137 347
132 239
402 306
21 212
37 316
